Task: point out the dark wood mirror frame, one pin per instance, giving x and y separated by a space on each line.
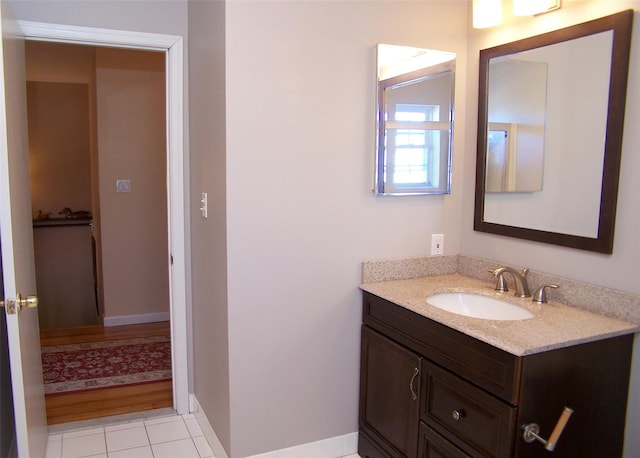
621 25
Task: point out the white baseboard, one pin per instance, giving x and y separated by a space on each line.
333 447
207 429
136 319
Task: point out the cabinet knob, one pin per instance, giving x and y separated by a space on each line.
457 414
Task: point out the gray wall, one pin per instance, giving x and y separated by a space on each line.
208 174
301 214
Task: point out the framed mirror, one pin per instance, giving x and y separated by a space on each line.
550 122
414 120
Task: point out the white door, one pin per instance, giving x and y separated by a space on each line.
16 234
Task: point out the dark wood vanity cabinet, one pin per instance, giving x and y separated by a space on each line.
429 391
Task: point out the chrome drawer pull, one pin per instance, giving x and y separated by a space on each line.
532 429
414 395
457 414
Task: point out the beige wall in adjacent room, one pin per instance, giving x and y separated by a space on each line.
59 147
131 120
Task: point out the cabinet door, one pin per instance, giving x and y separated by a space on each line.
389 394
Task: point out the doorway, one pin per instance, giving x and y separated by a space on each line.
96 119
171 46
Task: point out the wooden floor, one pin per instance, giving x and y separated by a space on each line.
85 405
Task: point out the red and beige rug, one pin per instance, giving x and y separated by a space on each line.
89 366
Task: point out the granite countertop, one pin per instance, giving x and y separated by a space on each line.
555 325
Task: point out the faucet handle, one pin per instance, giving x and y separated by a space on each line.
540 296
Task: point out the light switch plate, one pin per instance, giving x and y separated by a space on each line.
437 244
123 185
204 204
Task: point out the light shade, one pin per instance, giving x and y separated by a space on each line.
486 13
531 7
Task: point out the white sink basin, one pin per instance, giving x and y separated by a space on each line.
477 306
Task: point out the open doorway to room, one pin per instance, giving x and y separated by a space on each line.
97 134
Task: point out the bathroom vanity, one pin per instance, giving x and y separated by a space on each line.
437 384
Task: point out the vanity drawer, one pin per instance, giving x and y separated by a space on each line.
433 445
477 422
486 366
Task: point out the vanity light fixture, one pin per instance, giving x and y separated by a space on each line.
532 7
486 13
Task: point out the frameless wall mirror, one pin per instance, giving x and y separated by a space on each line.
550 121
415 120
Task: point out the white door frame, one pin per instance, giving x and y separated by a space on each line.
172 45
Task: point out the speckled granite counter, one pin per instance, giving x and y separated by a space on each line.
555 325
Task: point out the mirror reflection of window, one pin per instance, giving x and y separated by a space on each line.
415 113
518 97
413 148
502 158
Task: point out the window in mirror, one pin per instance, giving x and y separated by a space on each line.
413 152
501 157
415 113
518 88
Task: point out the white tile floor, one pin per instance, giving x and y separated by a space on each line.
160 437
166 436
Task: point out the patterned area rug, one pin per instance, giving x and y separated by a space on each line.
89 366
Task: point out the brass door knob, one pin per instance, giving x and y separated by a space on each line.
29 301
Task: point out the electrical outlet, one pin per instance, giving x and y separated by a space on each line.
437 244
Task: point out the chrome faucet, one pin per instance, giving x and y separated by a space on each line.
520 279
